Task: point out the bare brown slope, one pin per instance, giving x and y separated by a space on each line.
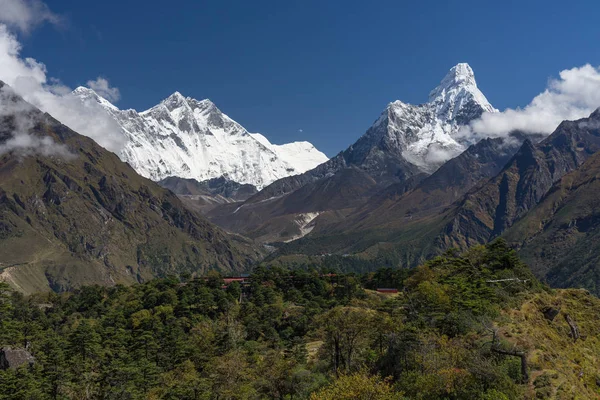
560 237
489 211
281 218
410 230
90 218
407 217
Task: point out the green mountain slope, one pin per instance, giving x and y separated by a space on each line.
80 215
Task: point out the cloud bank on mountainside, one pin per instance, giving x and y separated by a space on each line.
574 95
19 118
28 77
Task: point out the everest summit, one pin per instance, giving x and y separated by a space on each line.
188 138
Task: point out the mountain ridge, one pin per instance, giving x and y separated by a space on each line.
392 151
190 138
524 181
542 200
73 213
403 136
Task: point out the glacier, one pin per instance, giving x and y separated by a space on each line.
190 138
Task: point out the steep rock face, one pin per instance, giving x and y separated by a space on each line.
188 138
523 182
560 237
72 213
405 144
431 195
407 139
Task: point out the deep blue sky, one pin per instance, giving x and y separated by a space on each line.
325 67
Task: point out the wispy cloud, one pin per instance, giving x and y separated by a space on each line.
25 15
103 88
24 144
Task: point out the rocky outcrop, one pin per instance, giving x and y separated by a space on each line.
550 313
490 210
14 358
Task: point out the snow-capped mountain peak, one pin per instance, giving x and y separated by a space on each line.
457 93
190 138
426 135
87 94
174 101
461 75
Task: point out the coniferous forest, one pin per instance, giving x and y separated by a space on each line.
475 325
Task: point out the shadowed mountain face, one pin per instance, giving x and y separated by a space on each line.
286 217
560 237
207 195
523 182
458 206
350 200
71 213
449 183
404 145
407 217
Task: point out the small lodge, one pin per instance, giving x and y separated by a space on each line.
243 280
387 290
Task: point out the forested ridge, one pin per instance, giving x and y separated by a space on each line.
463 326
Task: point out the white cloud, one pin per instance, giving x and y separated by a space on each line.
28 77
26 144
17 118
24 15
575 94
103 88
437 155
